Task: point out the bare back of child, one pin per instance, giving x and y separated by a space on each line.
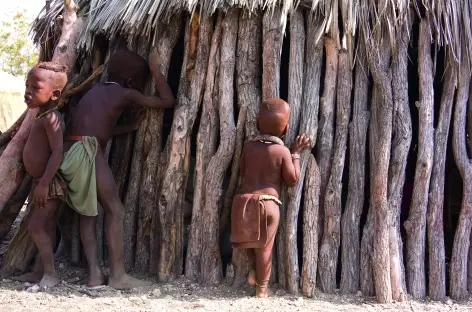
91 125
42 156
265 164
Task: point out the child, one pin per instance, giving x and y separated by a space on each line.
85 168
42 156
265 163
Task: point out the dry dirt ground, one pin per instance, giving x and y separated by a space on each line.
182 295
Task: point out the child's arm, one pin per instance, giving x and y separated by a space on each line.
291 161
52 125
165 99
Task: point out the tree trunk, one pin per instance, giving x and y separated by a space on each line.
272 40
21 250
13 206
416 224
381 132
310 225
332 206
248 86
401 140
291 196
324 149
174 176
437 259
350 249
6 136
460 249
206 147
211 270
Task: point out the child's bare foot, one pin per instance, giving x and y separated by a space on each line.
126 282
31 277
96 277
251 278
262 292
49 280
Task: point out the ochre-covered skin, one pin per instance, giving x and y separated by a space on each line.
96 115
264 166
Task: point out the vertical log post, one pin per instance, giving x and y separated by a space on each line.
350 249
416 224
174 176
401 140
248 86
460 249
309 125
211 270
206 142
272 40
437 258
293 195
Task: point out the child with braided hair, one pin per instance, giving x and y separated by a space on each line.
42 156
265 163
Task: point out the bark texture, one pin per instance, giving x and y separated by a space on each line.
248 86
174 176
211 270
289 214
401 140
437 259
416 223
206 148
310 231
328 258
350 223
460 249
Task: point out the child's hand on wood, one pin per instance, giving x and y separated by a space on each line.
154 61
301 143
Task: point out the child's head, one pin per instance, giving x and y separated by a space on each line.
44 84
128 69
273 117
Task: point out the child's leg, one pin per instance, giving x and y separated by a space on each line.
89 242
114 216
38 228
251 277
264 255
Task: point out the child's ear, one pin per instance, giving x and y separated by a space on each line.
56 94
129 83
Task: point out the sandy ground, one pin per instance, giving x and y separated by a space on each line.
182 295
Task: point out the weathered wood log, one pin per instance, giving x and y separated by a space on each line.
350 222
469 135
324 148
460 249
174 176
248 86
291 197
401 140
21 250
13 206
381 134
165 47
310 231
309 126
151 149
437 259
272 39
332 206
6 136
415 226
211 270
206 142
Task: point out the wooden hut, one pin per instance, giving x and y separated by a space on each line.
382 87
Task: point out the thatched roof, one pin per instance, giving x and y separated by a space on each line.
449 19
